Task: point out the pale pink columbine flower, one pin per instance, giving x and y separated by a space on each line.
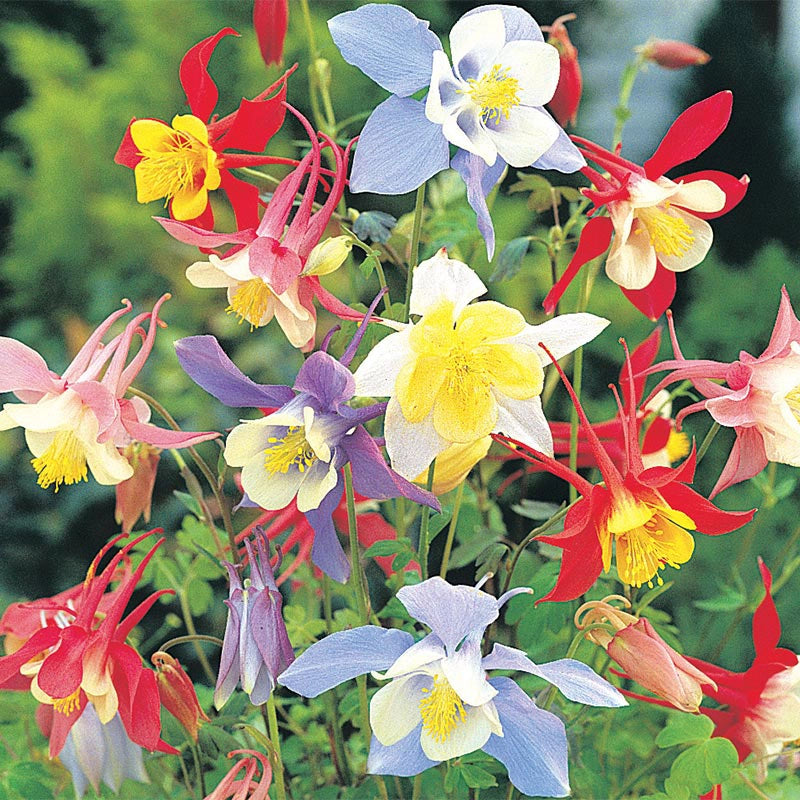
759 399
248 785
79 420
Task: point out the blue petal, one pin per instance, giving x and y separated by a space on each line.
533 747
451 612
405 758
206 363
344 655
326 379
388 44
480 179
399 149
326 552
575 680
562 155
519 24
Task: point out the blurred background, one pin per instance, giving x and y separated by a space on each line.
73 240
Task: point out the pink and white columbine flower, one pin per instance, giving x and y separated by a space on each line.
80 419
759 399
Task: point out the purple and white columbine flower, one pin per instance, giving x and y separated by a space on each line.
298 451
439 703
256 647
488 103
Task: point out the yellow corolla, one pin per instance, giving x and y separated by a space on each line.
463 371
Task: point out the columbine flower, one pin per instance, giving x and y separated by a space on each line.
488 103
274 269
184 161
463 371
646 513
79 657
659 224
567 97
644 656
760 398
244 788
256 646
297 452
438 703
79 420
176 690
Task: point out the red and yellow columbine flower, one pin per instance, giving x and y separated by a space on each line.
79 656
645 515
659 225
184 161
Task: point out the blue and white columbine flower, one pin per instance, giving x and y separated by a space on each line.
439 703
488 103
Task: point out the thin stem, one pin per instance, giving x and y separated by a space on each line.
451 531
622 111
275 738
201 780
356 573
747 782
186 612
197 637
709 437
417 790
400 517
646 769
413 258
424 522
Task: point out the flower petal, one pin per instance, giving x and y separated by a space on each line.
524 136
424 652
411 446
466 675
24 369
467 736
377 373
394 708
702 237
524 420
442 279
475 41
562 334
562 155
702 195
404 759
631 264
201 91
535 65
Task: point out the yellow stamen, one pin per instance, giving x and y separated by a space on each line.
793 401
291 451
677 446
496 93
250 302
66 705
441 709
669 234
64 461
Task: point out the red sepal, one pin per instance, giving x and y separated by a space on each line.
766 624
657 296
61 671
201 91
254 123
708 518
62 724
243 198
127 153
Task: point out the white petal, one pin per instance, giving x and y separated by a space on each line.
319 481
441 278
6 422
535 65
524 420
526 135
445 96
426 651
467 736
621 213
632 264
702 235
475 42
317 435
298 325
247 440
271 491
561 335
205 275
466 675
377 373
54 412
490 711
236 266
107 465
411 446
465 129
645 193
394 709
704 196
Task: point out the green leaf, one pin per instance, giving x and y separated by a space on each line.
200 596
477 778
29 779
388 547
536 509
510 258
438 522
451 778
685 729
729 599
189 502
696 770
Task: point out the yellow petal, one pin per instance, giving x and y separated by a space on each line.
189 203
151 134
514 371
454 464
488 321
190 124
465 408
418 384
434 333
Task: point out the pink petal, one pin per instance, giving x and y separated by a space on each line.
748 457
23 369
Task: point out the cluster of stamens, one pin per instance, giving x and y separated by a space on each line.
289 451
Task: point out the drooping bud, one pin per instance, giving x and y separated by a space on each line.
567 97
328 256
454 464
135 495
270 21
177 693
644 656
672 54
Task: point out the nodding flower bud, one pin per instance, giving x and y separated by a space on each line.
270 21
567 97
672 54
177 693
135 495
328 256
644 656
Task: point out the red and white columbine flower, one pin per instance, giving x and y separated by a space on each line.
658 224
79 420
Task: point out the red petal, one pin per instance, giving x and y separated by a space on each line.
243 198
43 639
594 241
254 124
766 624
127 153
139 706
270 21
62 724
693 131
641 358
657 296
708 518
201 91
734 188
61 672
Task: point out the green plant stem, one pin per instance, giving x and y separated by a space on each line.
413 258
424 522
709 437
186 612
451 531
201 780
417 790
275 737
356 573
648 768
198 637
622 111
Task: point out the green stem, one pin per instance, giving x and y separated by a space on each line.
356 573
413 258
189 623
275 738
417 790
400 517
709 437
622 111
201 779
424 522
451 531
198 637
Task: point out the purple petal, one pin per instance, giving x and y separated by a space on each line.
404 758
326 379
399 149
388 44
533 747
480 179
451 612
269 632
326 552
229 669
519 24
562 155
575 680
342 656
206 363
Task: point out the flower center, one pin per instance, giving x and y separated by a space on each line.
179 163
293 450
496 92
793 401
250 302
64 461
677 446
441 709
670 235
66 705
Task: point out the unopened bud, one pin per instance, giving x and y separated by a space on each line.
177 693
564 103
134 495
328 256
270 21
672 54
322 69
454 464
